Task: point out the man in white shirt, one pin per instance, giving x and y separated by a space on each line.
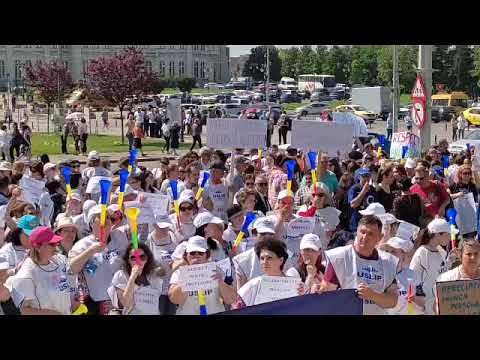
5 140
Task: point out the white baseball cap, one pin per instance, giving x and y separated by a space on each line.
95 210
373 209
49 166
410 164
186 196
75 196
399 243
438 226
196 243
284 194
388 219
87 205
310 241
264 225
164 222
93 155
205 218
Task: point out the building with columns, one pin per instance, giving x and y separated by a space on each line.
205 63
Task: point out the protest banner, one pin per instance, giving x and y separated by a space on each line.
274 288
229 133
300 226
198 277
153 207
466 213
174 111
401 139
32 188
93 186
458 297
407 231
329 137
340 302
359 126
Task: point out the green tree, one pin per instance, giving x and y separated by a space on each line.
385 65
441 63
255 66
407 65
321 59
364 65
306 60
185 84
339 63
476 68
289 62
463 67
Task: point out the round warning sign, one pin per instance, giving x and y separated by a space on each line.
418 114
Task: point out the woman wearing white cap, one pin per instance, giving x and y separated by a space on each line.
197 252
161 243
183 227
430 260
68 231
98 261
406 278
82 219
309 266
42 281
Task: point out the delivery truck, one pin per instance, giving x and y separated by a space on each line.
377 99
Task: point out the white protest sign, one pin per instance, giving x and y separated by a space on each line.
329 137
273 288
330 216
300 226
152 208
33 188
174 111
466 213
359 126
401 139
225 265
407 231
93 186
146 215
198 277
229 133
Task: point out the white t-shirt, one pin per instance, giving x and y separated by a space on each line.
188 230
167 190
13 254
219 195
84 229
452 275
107 263
146 298
428 265
163 256
48 286
191 306
248 292
229 236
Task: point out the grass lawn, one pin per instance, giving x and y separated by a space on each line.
405 99
50 144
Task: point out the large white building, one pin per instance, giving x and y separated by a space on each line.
206 63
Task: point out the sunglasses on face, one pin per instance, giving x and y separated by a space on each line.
262 184
142 257
467 174
249 184
321 195
186 208
196 253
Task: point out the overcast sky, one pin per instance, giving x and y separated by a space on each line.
237 50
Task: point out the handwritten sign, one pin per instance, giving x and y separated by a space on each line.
198 277
329 137
300 226
228 133
466 213
154 206
33 188
459 297
93 186
273 288
401 139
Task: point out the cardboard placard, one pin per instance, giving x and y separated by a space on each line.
229 133
329 137
460 297
273 288
225 265
198 277
33 188
401 139
300 226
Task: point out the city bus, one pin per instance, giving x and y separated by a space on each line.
312 82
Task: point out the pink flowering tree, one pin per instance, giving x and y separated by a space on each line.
117 77
52 80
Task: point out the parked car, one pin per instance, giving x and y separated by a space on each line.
473 138
315 108
445 105
472 115
291 97
232 110
320 95
368 116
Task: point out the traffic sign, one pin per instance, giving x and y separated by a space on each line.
418 114
418 92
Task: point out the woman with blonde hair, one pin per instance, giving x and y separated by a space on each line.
463 183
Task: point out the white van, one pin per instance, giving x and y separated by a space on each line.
287 83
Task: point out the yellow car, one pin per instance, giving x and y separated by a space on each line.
472 115
368 116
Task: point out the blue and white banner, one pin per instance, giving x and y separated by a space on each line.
341 302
